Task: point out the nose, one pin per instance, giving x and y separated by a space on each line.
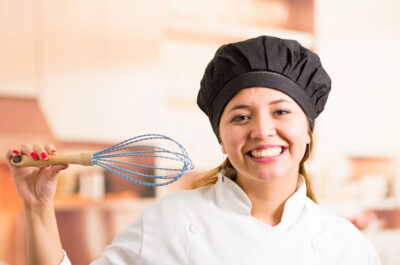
263 127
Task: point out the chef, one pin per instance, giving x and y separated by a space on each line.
262 97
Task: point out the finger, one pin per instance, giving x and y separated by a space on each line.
50 149
41 152
10 154
47 173
28 150
54 170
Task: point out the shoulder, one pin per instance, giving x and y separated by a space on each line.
326 222
324 217
169 221
343 240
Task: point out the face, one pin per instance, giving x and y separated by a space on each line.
264 133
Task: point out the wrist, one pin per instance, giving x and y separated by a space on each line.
39 209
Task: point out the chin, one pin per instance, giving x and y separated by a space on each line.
267 175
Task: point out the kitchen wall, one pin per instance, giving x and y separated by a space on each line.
89 74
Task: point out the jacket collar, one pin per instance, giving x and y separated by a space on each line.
229 195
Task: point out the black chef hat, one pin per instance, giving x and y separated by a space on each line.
265 61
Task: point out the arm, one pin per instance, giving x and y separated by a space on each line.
43 241
36 188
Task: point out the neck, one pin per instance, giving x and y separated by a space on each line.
268 198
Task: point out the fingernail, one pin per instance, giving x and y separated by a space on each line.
66 166
16 152
34 156
43 155
53 151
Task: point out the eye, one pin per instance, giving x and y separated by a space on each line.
281 112
240 117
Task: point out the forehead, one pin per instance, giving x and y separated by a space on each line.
258 95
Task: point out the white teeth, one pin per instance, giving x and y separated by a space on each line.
270 152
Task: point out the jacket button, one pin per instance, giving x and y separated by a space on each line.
196 229
316 244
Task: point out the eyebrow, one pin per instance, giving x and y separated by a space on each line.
271 103
239 107
279 101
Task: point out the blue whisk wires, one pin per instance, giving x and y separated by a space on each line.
105 160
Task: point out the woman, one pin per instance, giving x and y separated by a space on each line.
262 97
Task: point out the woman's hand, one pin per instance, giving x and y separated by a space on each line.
35 185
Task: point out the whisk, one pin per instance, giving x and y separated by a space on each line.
128 148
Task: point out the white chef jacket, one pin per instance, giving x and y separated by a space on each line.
213 225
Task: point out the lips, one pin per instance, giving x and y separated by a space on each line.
266 151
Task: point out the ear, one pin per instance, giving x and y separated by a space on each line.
223 148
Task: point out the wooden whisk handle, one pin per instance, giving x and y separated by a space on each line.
84 159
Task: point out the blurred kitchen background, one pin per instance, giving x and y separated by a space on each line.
85 75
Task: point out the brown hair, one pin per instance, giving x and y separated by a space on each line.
212 176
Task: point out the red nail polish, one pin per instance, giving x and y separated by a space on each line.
16 152
43 155
66 166
34 156
53 151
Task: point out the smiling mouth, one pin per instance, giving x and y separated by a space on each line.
267 153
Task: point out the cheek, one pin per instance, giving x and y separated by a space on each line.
297 135
231 141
